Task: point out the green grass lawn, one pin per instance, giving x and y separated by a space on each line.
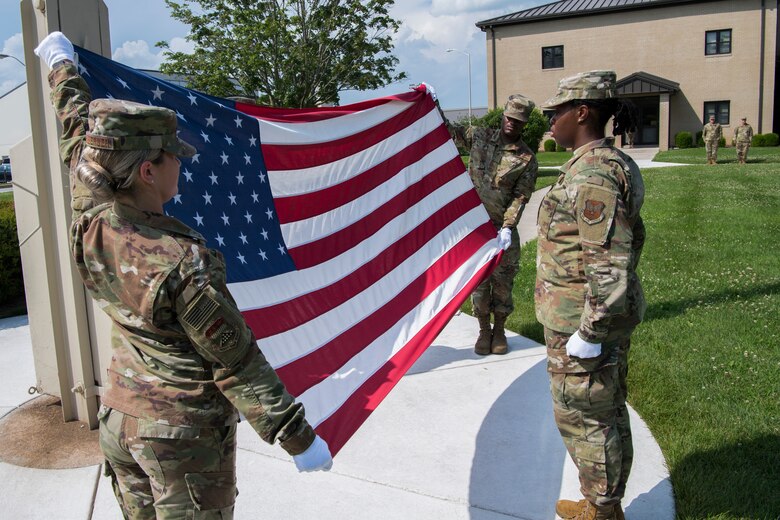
756 155
705 364
552 158
6 195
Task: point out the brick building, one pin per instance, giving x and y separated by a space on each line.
679 60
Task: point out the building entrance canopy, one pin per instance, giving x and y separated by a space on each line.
650 95
642 83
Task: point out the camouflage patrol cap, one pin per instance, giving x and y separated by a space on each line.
518 107
596 84
115 124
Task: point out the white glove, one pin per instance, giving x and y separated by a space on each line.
55 48
428 88
315 458
504 238
578 347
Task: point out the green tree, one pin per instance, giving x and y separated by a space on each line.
534 129
286 53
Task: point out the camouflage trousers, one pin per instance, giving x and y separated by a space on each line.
495 293
742 151
712 150
168 472
589 404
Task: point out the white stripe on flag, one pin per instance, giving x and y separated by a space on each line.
286 183
270 291
325 224
293 344
275 132
326 397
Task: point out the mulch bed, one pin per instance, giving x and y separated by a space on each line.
35 436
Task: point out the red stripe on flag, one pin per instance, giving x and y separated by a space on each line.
297 156
339 427
287 315
299 207
303 373
309 115
314 253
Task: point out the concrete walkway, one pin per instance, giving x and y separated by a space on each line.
461 437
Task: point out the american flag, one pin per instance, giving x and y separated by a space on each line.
351 234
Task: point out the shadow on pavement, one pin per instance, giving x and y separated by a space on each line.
14 322
519 456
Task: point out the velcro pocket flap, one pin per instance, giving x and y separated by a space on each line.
153 430
593 452
210 491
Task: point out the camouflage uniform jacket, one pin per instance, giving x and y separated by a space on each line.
590 240
182 355
712 132
504 175
743 134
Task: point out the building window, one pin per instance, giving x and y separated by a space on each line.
717 42
719 109
552 57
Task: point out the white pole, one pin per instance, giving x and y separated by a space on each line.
469 78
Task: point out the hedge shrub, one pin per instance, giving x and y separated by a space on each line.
11 282
700 140
770 139
683 140
549 145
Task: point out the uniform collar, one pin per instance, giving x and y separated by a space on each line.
607 142
514 145
155 220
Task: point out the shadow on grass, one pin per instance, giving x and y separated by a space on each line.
671 309
751 466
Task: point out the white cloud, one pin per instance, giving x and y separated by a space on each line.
181 45
470 6
140 55
11 71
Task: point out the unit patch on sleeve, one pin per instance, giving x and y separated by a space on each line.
595 212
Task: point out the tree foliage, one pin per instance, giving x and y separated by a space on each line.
286 53
534 129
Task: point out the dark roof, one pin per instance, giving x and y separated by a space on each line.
644 83
570 8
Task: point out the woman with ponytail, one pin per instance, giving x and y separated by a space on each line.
588 295
184 363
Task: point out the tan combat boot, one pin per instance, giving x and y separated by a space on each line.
498 345
584 510
482 346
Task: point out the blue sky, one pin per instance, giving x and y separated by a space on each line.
429 28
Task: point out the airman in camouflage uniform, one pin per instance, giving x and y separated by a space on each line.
184 363
711 134
503 170
587 291
743 136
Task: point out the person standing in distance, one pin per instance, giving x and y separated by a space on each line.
743 135
503 169
711 133
184 362
588 295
